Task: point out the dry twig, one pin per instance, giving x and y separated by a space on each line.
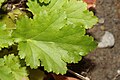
78 75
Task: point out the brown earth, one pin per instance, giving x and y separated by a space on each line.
106 62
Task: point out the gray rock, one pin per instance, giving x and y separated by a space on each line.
107 40
101 20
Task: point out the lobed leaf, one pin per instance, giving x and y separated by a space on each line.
10 68
56 47
77 13
5 36
1 1
55 35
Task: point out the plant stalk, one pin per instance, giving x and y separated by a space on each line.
78 75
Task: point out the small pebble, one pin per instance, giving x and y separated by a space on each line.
102 28
118 71
101 20
107 40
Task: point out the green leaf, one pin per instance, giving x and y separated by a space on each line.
51 37
5 73
48 54
5 36
11 68
77 13
56 5
1 1
8 22
52 46
32 5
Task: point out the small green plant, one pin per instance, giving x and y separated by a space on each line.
53 37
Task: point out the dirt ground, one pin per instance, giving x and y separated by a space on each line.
106 62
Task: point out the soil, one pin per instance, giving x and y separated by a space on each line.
103 63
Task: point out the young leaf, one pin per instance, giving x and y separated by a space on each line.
5 36
77 13
1 1
10 68
51 37
52 46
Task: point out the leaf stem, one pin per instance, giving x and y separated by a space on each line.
78 75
